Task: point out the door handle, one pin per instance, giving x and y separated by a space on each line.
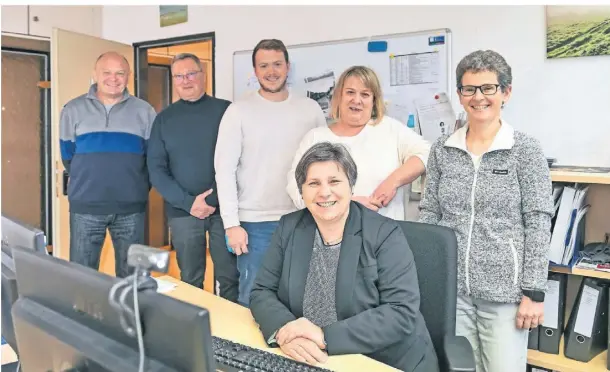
65 179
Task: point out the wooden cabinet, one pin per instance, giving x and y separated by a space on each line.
39 20
15 19
597 224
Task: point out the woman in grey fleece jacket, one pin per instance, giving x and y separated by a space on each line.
491 184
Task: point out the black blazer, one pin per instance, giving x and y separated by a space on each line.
377 293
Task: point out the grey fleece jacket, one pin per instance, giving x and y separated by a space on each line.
501 213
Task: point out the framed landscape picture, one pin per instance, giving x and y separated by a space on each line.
577 31
172 14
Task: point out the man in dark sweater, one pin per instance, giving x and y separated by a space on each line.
181 167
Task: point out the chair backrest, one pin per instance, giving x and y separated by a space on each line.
435 253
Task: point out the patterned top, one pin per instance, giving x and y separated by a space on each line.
319 298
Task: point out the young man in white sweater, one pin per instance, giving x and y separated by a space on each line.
258 136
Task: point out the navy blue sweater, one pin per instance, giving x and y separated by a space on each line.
181 153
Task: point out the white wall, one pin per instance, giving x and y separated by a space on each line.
564 103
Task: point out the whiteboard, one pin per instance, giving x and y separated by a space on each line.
416 65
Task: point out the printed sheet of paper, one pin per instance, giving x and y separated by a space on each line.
397 108
551 305
436 116
417 68
163 286
586 311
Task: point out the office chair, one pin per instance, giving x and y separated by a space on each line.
435 253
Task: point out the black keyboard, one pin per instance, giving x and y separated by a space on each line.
233 357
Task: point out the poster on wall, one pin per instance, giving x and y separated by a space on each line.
577 31
172 14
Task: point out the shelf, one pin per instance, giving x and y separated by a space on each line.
581 272
559 362
580 177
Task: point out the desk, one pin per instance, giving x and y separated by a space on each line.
234 322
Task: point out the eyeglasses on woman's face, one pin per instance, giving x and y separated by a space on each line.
486 89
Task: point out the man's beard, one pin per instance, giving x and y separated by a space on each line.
279 89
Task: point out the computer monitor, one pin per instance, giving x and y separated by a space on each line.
8 296
65 307
15 234
18 234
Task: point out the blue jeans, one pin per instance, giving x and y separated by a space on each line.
259 238
189 241
88 232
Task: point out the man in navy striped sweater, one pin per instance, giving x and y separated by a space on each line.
103 136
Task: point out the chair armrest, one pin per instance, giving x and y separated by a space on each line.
459 356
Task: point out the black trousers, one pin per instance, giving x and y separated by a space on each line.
188 236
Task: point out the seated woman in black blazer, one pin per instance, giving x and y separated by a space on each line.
339 278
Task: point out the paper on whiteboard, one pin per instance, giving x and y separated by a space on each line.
436 116
586 311
396 108
416 68
551 305
320 88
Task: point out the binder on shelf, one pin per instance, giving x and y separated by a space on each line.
567 237
531 368
586 334
608 355
554 313
532 339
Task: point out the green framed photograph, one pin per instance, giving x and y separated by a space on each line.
172 14
577 31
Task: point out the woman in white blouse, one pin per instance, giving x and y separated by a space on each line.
387 153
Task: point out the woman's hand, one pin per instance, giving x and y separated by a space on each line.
530 313
368 202
385 192
304 350
301 327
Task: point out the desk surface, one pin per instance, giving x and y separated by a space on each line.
235 323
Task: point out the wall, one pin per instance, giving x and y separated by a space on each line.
564 103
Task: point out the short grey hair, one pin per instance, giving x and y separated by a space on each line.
485 60
183 56
322 152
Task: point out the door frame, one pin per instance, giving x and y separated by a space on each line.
140 78
140 58
16 45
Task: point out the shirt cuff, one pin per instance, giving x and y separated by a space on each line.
230 221
272 340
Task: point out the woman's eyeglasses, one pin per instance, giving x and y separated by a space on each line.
486 89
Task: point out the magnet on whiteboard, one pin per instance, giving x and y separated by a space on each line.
378 46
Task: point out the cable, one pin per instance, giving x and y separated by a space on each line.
122 289
138 324
121 307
